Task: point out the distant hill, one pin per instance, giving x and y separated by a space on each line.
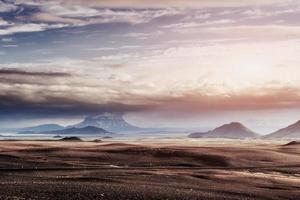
71 139
41 128
198 135
234 130
113 122
89 130
292 131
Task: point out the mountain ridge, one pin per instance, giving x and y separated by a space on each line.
41 128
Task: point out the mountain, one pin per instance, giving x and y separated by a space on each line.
41 128
233 130
88 130
292 131
113 122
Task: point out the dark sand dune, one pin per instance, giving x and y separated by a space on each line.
118 171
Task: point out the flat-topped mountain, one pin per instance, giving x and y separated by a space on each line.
292 131
113 122
234 130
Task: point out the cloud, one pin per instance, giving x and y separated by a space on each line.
57 93
3 22
70 97
47 17
7 7
15 104
10 46
187 25
214 70
36 16
7 40
265 98
230 30
257 13
168 3
17 72
203 87
106 15
268 31
69 10
28 27
142 36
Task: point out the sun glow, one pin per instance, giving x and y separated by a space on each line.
252 70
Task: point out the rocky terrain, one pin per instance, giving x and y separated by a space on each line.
169 170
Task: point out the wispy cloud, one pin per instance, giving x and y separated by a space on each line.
10 46
3 22
37 16
7 7
29 27
167 3
82 15
7 40
69 10
17 72
184 25
142 36
257 13
263 31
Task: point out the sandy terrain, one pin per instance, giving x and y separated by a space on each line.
190 169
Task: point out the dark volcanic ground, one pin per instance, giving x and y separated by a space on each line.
83 170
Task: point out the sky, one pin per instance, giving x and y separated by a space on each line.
192 63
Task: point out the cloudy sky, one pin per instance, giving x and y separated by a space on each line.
192 63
